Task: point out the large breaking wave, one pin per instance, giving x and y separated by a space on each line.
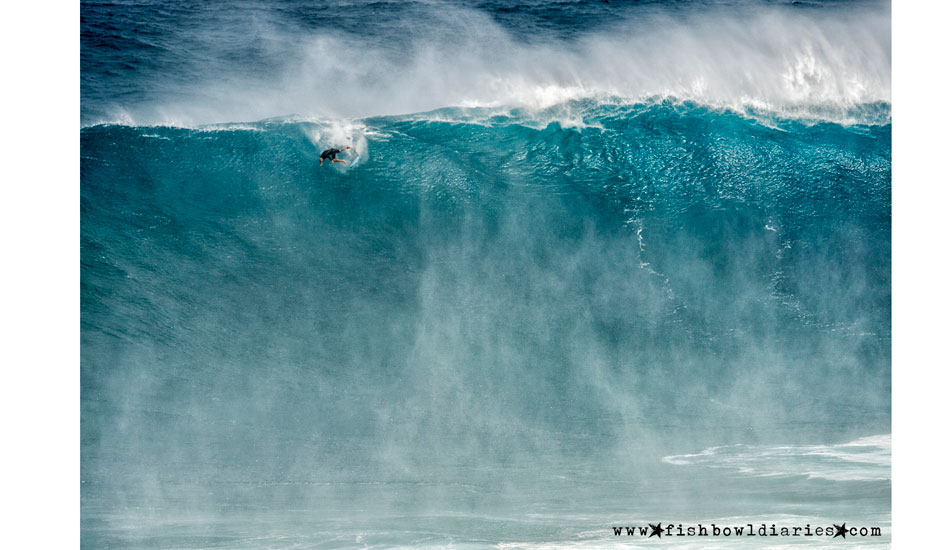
567 253
664 262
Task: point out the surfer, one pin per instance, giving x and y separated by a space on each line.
331 154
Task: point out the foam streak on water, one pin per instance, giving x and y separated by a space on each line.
864 459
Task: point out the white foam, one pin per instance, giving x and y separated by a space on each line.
338 133
864 459
801 63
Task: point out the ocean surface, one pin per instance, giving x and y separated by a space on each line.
598 265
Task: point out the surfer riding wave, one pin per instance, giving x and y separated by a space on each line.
331 154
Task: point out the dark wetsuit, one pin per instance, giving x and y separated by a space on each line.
329 154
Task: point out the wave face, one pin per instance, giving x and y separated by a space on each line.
548 308
487 282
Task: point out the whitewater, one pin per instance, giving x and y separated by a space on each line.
600 264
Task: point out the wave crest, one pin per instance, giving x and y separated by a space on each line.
778 60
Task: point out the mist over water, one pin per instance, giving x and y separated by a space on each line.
210 64
598 265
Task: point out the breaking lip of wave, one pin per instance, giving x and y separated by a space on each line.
864 459
590 113
822 64
573 114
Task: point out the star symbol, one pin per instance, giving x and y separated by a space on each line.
840 531
657 531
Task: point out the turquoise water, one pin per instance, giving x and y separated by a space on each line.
537 309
